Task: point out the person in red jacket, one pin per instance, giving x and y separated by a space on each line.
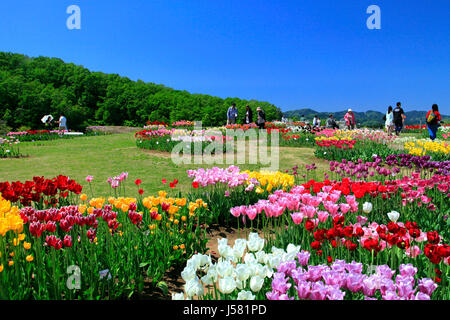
433 120
350 120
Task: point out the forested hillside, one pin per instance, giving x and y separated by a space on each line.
33 87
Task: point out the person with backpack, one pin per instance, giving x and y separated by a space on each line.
433 120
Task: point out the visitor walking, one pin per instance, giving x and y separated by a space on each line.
350 119
389 120
232 114
433 120
399 118
261 121
331 123
248 115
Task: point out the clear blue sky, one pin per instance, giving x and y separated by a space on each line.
300 53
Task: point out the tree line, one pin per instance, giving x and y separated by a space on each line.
33 87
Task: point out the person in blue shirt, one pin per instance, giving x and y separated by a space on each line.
232 114
62 124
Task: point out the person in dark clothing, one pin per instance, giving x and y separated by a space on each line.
331 123
261 121
433 121
248 115
399 118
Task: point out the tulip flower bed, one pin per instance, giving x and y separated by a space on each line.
117 248
242 271
198 141
363 144
352 150
423 128
41 193
9 147
391 166
183 124
438 150
353 144
226 188
37 135
320 222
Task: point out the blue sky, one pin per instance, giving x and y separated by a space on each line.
295 54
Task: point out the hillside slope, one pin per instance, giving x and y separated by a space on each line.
33 87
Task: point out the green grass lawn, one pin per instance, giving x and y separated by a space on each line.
108 155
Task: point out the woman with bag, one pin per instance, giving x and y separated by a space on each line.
433 121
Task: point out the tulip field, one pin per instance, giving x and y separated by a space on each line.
349 215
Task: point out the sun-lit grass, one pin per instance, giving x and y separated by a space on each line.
108 155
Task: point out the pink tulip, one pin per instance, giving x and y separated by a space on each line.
297 217
322 215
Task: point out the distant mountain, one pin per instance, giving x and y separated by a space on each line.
368 118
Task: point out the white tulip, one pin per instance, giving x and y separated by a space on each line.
278 251
178 296
188 274
239 284
255 244
261 270
212 273
193 288
393 216
249 258
198 261
245 295
273 261
227 285
260 256
256 283
242 272
293 248
367 207
225 268
252 268
239 248
224 250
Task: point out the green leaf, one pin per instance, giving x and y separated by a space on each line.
164 287
143 264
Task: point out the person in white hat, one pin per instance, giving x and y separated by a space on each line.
350 119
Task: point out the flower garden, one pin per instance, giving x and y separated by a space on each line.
368 219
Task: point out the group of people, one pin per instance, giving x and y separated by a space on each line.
62 122
394 119
331 123
232 115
